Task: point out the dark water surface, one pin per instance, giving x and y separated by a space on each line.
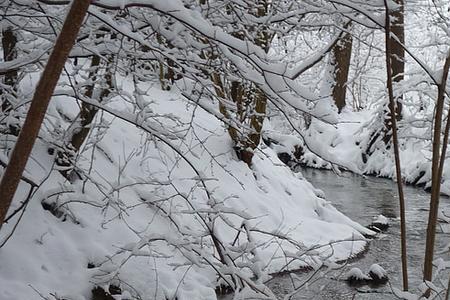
361 199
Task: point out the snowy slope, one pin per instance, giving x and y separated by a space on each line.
142 217
345 143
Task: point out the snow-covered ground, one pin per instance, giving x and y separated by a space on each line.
345 142
143 215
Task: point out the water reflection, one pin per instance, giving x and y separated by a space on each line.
388 204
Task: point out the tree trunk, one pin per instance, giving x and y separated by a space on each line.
41 98
392 109
397 62
9 43
258 98
166 68
88 112
340 59
437 168
397 40
82 125
250 100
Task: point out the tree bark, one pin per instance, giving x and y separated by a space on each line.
249 99
397 62
88 112
258 98
340 59
166 68
437 168
9 43
39 104
397 40
82 125
393 109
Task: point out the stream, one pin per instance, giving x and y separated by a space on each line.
361 199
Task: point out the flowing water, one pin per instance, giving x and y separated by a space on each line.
361 199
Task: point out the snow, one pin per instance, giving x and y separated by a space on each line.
141 218
380 219
378 271
343 145
404 295
160 178
356 274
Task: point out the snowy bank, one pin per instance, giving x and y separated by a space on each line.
165 215
344 145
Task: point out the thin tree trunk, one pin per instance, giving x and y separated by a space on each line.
39 104
393 110
437 167
447 292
